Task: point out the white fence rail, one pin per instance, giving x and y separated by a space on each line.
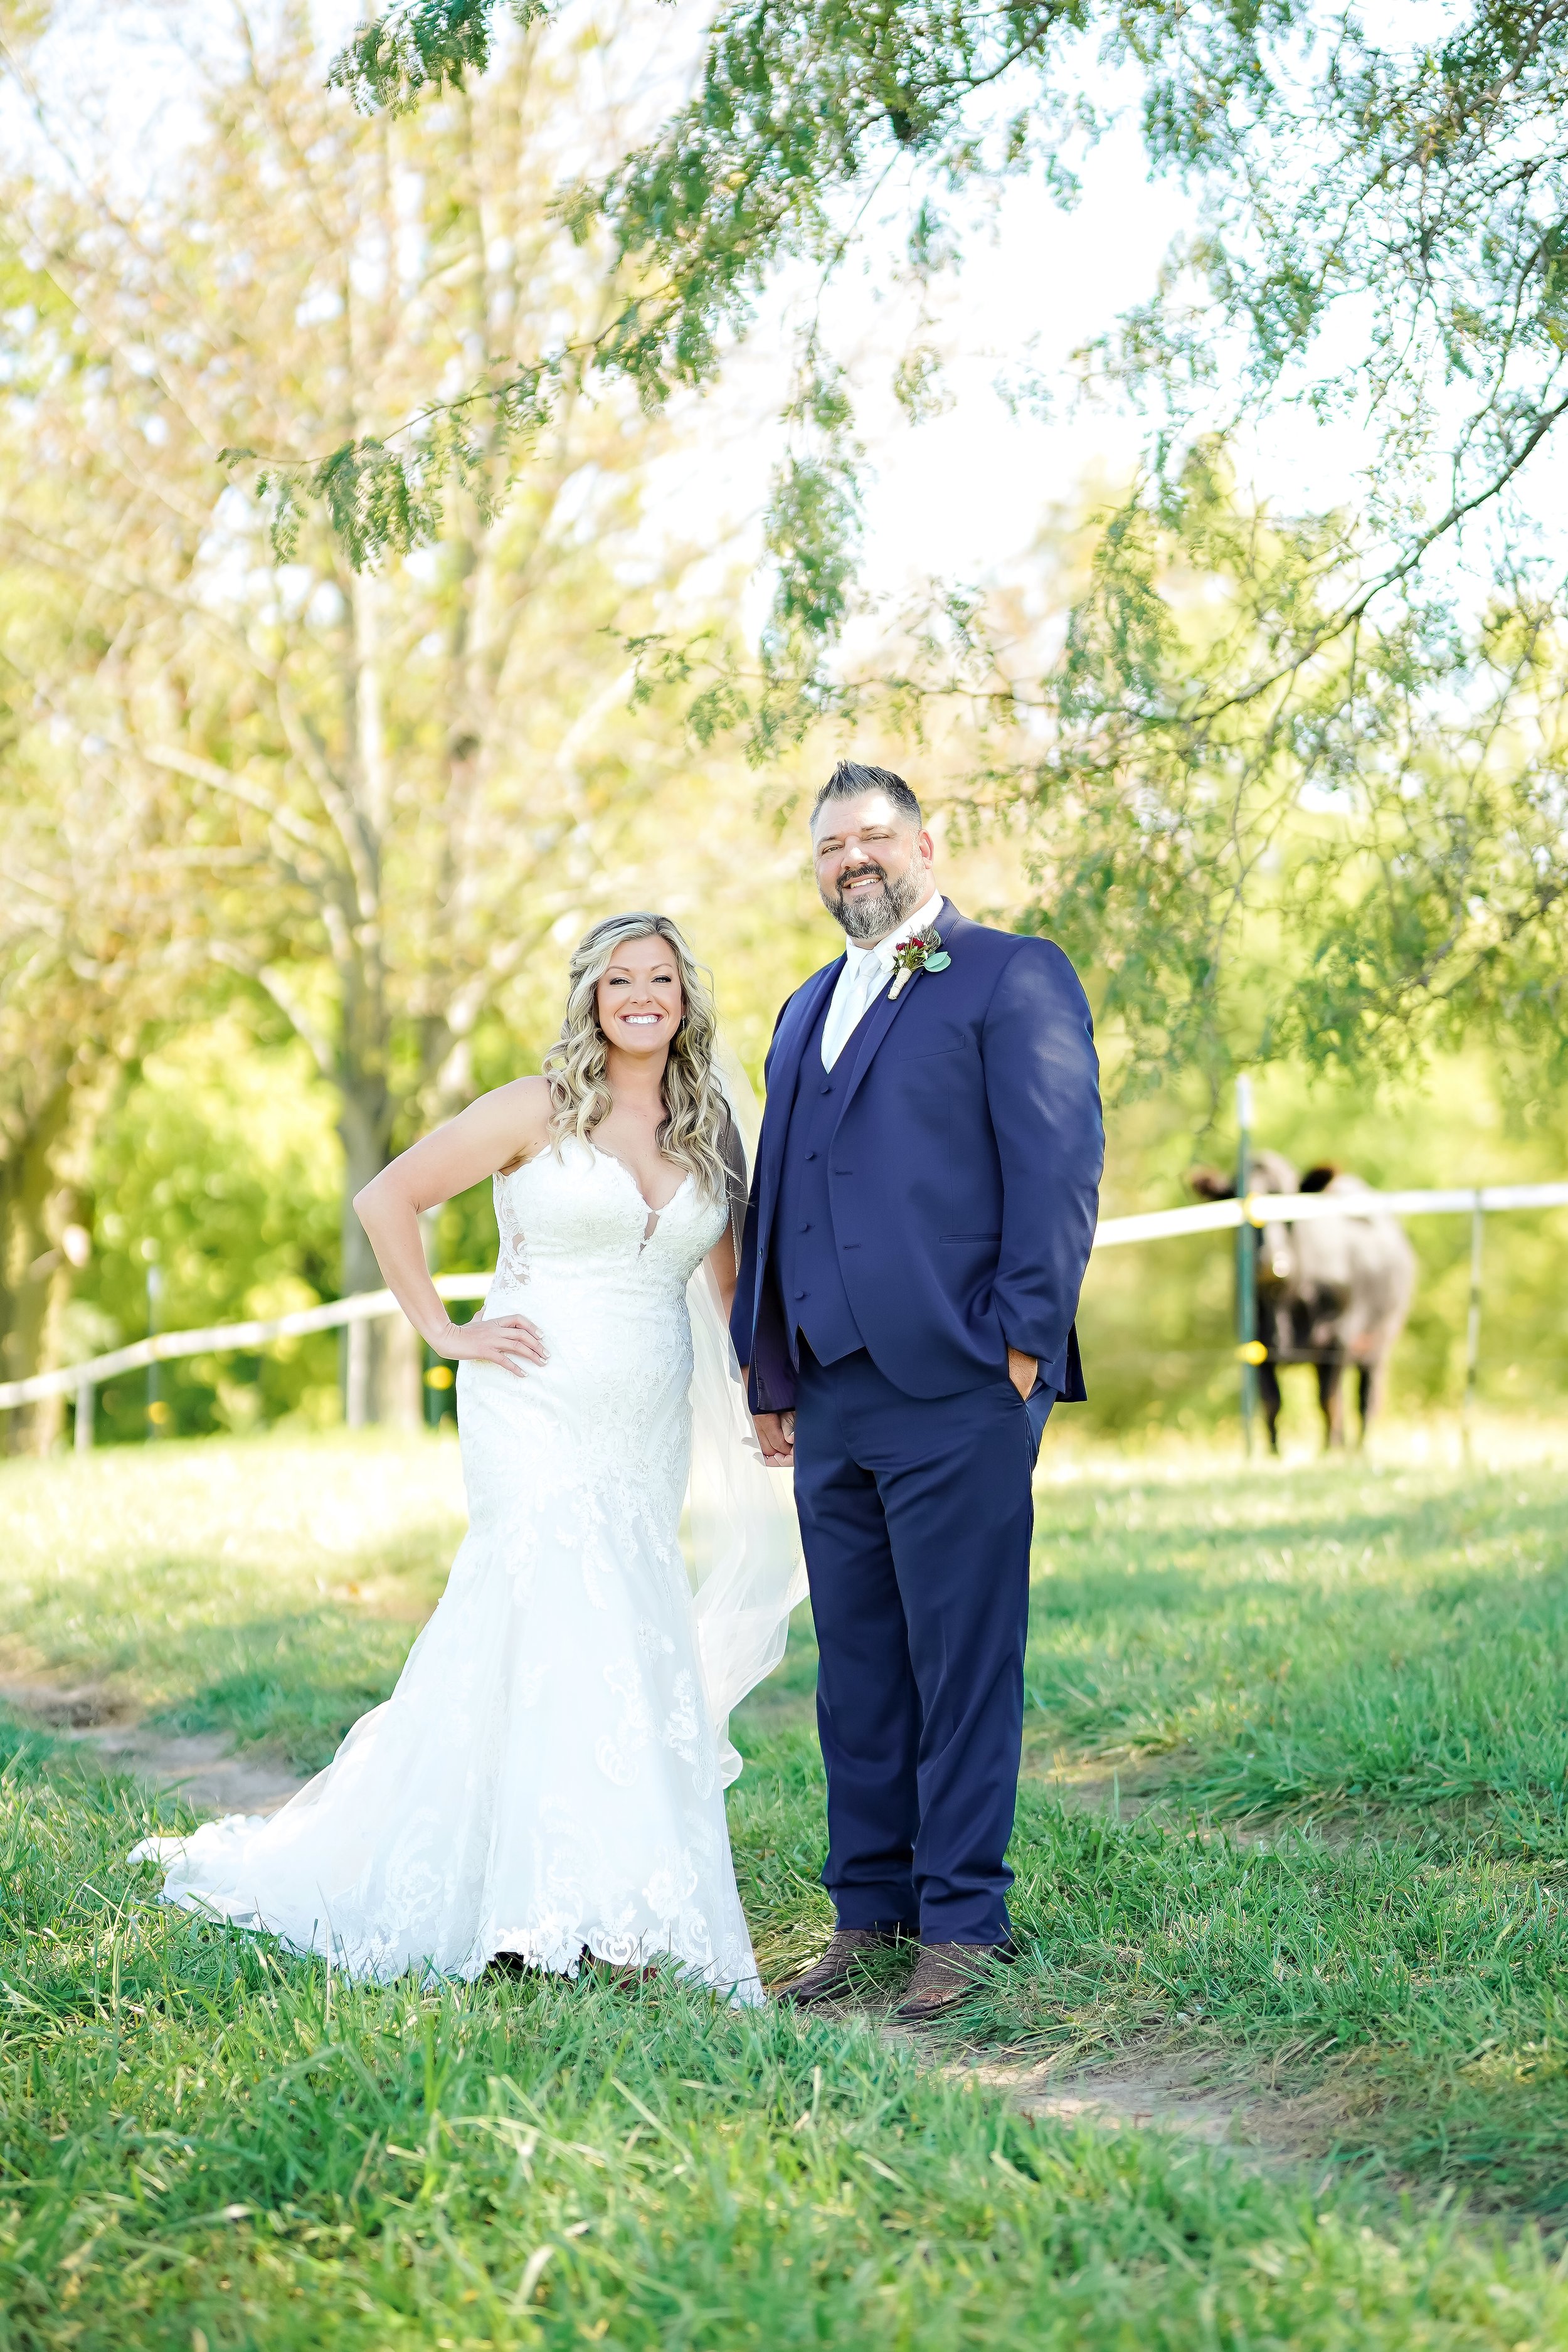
81 1380
220 1338
1291 1208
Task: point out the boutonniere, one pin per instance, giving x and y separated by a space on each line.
922 951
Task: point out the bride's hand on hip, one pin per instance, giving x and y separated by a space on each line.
510 1340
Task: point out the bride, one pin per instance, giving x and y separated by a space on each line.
546 1781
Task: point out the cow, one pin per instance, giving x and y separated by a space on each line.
1332 1292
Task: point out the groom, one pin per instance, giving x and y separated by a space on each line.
917 1235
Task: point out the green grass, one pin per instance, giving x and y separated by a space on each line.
1319 1638
269 1588
1294 1814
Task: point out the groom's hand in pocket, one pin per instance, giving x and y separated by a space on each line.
1021 1371
775 1435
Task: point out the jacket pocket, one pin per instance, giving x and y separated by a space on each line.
911 1057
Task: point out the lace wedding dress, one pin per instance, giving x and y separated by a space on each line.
548 1774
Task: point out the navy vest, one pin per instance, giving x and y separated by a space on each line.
805 1250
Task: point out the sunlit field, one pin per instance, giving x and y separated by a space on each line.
1293 1834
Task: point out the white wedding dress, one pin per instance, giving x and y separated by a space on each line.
548 1775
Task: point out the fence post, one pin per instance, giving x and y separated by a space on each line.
430 1234
86 1400
154 1300
1246 1261
1473 1322
356 1387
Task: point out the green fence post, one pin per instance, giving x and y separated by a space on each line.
1246 1262
154 1300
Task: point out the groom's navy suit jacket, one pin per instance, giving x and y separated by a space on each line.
964 1148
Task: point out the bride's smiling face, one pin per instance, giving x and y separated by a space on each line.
640 1001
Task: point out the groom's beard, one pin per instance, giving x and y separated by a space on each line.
870 917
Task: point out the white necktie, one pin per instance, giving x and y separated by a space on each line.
845 1014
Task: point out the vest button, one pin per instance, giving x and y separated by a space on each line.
811 1155
800 1294
828 1090
806 1229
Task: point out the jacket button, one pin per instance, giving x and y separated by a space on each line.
811 1155
800 1294
806 1229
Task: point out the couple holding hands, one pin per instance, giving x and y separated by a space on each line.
899 1273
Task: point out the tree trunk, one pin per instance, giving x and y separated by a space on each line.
32 1270
381 1363
397 1374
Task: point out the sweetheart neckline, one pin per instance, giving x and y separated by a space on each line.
617 1162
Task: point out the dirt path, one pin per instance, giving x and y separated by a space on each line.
1260 2128
201 1765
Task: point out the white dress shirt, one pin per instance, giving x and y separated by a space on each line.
867 971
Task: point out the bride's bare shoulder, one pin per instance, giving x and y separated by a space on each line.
521 1112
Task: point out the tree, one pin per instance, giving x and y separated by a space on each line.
1426 182
83 866
390 787
1384 681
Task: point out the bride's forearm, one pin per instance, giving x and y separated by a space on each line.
499 1129
392 1226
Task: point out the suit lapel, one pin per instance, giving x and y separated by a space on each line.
886 1009
783 1079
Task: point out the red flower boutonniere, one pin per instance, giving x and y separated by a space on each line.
923 951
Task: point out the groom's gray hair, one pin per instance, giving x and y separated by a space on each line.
850 780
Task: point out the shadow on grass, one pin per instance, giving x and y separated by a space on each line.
1290 1662
1427 1998
294 1682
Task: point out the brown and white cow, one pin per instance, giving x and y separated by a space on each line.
1332 1292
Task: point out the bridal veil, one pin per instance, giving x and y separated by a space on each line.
744 1538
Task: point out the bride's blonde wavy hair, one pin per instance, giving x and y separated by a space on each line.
696 1130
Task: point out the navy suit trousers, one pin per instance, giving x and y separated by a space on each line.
917 1515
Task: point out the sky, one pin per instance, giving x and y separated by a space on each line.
961 496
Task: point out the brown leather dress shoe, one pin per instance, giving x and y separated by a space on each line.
832 1975
945 1975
